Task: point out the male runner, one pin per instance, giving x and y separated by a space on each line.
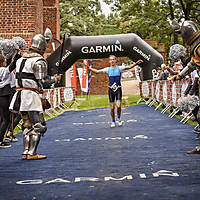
114 90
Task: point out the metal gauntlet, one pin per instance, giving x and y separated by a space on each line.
187 70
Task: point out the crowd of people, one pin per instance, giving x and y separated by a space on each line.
167 71
23 96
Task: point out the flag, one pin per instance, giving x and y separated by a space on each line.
89 78
85 75
70 77
73 77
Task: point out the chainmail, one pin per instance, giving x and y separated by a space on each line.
7 48
188 104
20 42
176 51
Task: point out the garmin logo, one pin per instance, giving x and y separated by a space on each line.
64 57
142 53
102 49
128 177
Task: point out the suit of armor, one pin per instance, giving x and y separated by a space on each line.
31 71
191 36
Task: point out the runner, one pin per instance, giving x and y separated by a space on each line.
114 90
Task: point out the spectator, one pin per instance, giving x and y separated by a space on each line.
162 73
5 93
158 75
171 71
189 103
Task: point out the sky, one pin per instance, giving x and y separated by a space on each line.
105 8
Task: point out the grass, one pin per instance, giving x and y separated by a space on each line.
85 102
102 101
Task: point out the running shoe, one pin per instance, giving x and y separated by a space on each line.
4 145
196 150
112 125
120 123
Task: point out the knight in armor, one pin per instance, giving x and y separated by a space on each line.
191 36
31 73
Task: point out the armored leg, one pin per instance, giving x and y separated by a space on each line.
27 128
34 141
39 128
26 142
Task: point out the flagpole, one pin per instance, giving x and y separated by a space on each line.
89 78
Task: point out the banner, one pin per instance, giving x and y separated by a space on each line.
70 77
80 73
85 75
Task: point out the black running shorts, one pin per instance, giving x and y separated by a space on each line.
115 95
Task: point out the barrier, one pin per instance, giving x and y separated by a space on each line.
164 93
58 97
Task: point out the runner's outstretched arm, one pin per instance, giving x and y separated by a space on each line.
95 70
134 64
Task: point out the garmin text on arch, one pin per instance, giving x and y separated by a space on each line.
64 57
102 49
142 53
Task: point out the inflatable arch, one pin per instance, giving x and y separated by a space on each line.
91 47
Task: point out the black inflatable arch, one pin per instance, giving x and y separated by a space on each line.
122 45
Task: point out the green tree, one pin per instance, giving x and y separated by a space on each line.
110 25
152 18
80 17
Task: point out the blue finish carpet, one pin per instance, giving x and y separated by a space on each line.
87 160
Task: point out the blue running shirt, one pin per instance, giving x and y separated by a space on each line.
114 74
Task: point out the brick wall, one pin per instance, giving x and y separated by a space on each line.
52 17
99 82
25 18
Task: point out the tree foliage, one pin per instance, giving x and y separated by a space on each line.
80 17
84 17
151 19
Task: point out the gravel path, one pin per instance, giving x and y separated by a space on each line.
130 87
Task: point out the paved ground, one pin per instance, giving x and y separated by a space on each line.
87 160
130 87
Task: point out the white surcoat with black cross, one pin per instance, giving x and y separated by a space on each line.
29 72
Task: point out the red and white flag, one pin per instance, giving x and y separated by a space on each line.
70 77
85 75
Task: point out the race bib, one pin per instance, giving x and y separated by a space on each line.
114 87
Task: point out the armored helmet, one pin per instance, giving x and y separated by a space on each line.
39 42
188 30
